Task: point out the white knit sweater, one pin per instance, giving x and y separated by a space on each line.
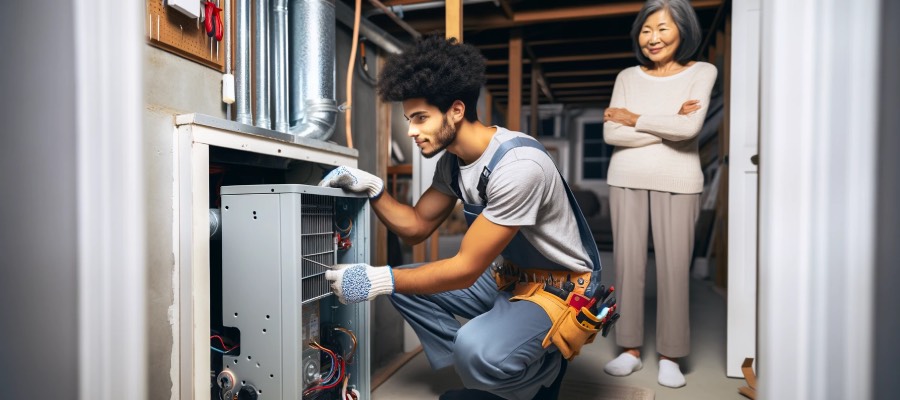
660 153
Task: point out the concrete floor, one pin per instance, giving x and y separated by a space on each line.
704 369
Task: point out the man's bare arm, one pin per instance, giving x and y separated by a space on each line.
482 244
414 224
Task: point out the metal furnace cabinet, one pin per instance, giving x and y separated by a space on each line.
277 243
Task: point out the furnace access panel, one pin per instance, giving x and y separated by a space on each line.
284 334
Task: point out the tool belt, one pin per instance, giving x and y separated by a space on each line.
573 325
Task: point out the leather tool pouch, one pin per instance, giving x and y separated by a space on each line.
566 332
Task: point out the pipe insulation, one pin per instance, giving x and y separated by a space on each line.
261 63
242 62
278 42
313 110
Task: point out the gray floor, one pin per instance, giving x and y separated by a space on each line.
704 369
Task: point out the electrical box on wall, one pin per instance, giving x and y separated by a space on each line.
288 337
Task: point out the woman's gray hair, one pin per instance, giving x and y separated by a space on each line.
686 20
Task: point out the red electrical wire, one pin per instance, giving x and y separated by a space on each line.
224 346
339 365
331 385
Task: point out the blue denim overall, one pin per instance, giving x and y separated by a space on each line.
499 349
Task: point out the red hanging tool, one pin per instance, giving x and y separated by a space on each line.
213 22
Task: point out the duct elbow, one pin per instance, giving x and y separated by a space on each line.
319 120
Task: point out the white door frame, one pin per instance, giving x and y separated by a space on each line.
743 184
817 198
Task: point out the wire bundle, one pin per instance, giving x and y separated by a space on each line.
335 374
343 234
225 349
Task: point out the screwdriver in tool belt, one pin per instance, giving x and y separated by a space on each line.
597 300
597 296
602 297
609 324
600 306
556 291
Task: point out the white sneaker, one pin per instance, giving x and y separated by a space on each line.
623 365
670 374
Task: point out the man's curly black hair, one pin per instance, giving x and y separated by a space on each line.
437 69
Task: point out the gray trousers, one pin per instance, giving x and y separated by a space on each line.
672 218
498 350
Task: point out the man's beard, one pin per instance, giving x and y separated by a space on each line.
444 137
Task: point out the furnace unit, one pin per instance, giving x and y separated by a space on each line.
288 335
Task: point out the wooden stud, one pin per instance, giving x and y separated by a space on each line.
453 20
533 121
514 109
488 109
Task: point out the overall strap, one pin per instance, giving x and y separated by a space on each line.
587 239
498 155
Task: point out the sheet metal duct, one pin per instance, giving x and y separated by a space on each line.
278 41
313 110
242 63
261 62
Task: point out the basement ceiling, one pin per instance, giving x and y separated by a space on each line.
576 47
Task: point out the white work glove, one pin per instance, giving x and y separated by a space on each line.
353 283
354 180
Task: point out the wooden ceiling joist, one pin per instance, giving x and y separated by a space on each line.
587 98
582 92
556 42
590 72
562 74
581 57
596 87
529 17
582 84
391 3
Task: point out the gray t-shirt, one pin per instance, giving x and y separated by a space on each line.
525 190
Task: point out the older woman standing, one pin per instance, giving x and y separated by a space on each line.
656 111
